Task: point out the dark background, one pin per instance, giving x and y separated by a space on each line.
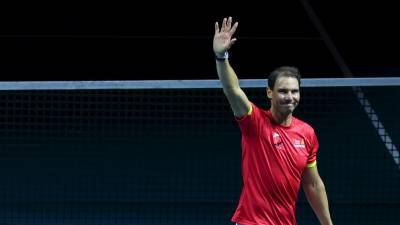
152 40
173 156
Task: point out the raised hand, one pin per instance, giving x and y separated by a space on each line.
223 37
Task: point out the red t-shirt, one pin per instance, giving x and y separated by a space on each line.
273 160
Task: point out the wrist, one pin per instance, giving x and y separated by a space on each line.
221 56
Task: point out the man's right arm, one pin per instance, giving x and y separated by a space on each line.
238 100
222 42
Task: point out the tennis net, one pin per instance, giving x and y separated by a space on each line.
168 152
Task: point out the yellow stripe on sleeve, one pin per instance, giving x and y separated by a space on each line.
311 165
250 110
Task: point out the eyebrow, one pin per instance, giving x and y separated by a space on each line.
288 89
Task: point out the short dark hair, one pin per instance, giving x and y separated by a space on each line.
288 71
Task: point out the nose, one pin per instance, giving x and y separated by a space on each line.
289 96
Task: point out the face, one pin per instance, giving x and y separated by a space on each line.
285 96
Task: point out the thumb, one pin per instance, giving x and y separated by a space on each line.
233 41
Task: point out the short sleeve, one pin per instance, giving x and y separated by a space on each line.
313 149
249 123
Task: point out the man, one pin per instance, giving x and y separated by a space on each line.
278 150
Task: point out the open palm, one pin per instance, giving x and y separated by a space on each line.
223 37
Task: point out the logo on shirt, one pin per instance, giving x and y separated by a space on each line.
299 143
277 140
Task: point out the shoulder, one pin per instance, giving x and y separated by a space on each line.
257 111
304 126
261 113
308 133
255 114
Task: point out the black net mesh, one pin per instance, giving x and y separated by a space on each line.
172 156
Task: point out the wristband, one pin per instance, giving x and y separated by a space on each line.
222 57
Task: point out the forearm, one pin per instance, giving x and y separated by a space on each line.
227 76
317 197
237 98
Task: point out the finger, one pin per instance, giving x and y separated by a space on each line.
229 23
216 28
223 26
233 41
233 29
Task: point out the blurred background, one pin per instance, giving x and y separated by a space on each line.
173 156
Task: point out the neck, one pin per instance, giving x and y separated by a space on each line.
282 119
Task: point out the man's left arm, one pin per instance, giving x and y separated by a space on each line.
314 189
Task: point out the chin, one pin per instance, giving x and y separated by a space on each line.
287 111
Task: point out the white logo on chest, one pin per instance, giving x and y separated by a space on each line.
277 141
299 143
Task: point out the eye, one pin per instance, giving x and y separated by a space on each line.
283 91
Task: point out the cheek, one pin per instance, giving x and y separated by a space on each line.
297 98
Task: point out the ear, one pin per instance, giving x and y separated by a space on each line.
269 93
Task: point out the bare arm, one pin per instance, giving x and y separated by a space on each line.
221 43
314 189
